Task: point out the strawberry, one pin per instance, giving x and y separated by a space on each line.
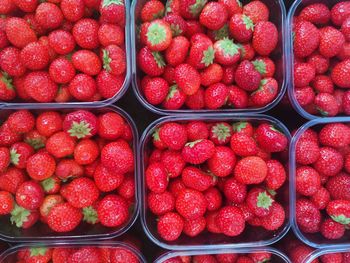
61 254
177 51
152 10
10 62
170 226
323 83
187 79
62 42
34 56
87 62
5 158
158 35
82 87
220 133
232 6
332 230
152 63
30 195
35 139
237 97
326 104
334 257
226 52
156 177
64 217
177 24
247 51
335 135
230 221
49 16
331 41
109 85
321 198
195 178
194 227
340 12
173 162
109 34
317 13
23 218
211 75
250 170
114 60
191 9
40 87
214 199
160 204
202 52
18 32
265 66
266 92
73 10
275 219
7 7
346 103
215 96
40 166
49 202
265 38
308 217
61 70
107 180
306 39
7 203
156 90
112 211
113 11
257 11
213 15
345 29
304 73
234 191
308 181
51 185
197 130
198 152
111 125
271 139
300 253
81 192
247 77
127 188
85 33
21 121
259 202
37 254
11 179
339 211
243 145
339 76
243 127
7 92
86 152
118 156
173 135
80 124
60 145
306 151
320 62
120 254
190 204
7 136
195 101
172 7
175 99
212 225
90 253
20 152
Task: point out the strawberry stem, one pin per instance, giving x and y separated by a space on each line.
14 157
264 200
90 215
80 130
19 215
107 3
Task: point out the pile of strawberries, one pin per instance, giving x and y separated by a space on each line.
321 40
65 168
77 255
260 256
198 54
323 181
215 177
61 50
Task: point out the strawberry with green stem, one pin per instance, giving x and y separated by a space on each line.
177 24
202 52
241 28
220 133
23 218
7 91
175 98
259 201
113 12
214 15
339 211
187 78
114 60
20 152
265 94
38 254
80 124
191 9
227 53
152 10
90 215
158 35
151 62
198 152
265 66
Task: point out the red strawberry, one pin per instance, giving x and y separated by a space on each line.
320 63
170 226
127 188
112 211
160 204
197 130
51 185
326 104
173 162
232 6
49 15
7 7
307 151
332 230
257 11
308 181
237 98
40 87
152 10
85 33
49 202
226 52
213 15
215 96
82 87
340 12
323 83
304 73
266 92
175 99
259 202
11 179
241 27
5 158
107 180
220 133
227 257
20 152
34 56
187 79
222 162
275 219
265 37
60 145
247 77
306 38
113 12
73 10
335 135
345 29
265 66
191 204
40 166
243 145
90 253
339 211
222 33
177 51
7 136
196 101
61 70
214 199
195 178
110 125
211 75
23 218
30 195
81 192
317 13
7 203
250 170
35 139
62 42
331 41
120 254
109 85
234 191
194 227
37 254
109 34
271 139
330 162
339 75
86 152
87 62
230 221
80 124
158 35
198 152
7 92
202 52
152 63
18 32
173 135
114 60
64 217
305 96
21 121
190 9
156 90
308 217
321 198
156 177
11 63
118 156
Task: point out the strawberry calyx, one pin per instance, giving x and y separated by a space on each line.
172 91
38 251
342 219
263 82
7 80
14 156
19 215
322 112
264 200
175 30
155 135
249 25
221 33
48 184
238 126
229 48
271 192
239 3
159 59
106 60
168 7
192 144
107 3
259 66
273 128
160 14
36 143
221 131
208 56
90 215
156 33
80 129
197 7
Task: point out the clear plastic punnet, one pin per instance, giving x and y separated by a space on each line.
10 255
277 16
315 240
276 255
328 255
42 233
252 236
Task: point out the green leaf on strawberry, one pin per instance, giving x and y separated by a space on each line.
38 251
90 215
238 126
248 22
342 219
229 48
197 7
192 144
159 59
156 34
260 66
5 78
172 92
80 130
107 3
48 184
264 200
221 33
19 215
35 143
14 157
106 60
221 131
208 56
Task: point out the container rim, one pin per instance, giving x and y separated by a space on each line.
181 112
319 252
142 186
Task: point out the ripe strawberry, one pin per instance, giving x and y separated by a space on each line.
202 52
120 254
330 162
197 130
230 221
177 51
152 63
191 9
275 219
30 195
340 12
334 257
21 121
11 179
306 39
113 12
271 139
156 90
156 177
7 91
49 15
81 254
177 24
175 99
300 253
34 56
247 51
64 217
259 202
82 87
211 75
109 34
87 62
321 198
215 96
107 180
7 7
49 202
61 70
7 136
308 217
80 124
304 73
51 185
214 199
85 33
232 6
173 135
308 181
213 15
339 75
158 35
247 77
170 226
18 32
198 152
220 133
339 211
111 125
221 33
257 11
23 218
127 187
86 152
109 85
265 66
73 10
317 13
265 38
196 101
237 98
243 145
243 127
81 192
41 166
222 162
335 135
112 211
345 29
152 10
306 151
226 52
332 230
331 41
173 162
62 42
7 203
346 103
266 92
234 191
195 178
320 63
60 145
326 104
40 87
250 170
48 123
241 27
118 156
194 227
190 204
20 152
37 254
11 63
323 83
5 158
160 204
114 60
35 139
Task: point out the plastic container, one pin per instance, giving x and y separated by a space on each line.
326 251
277 16
81 104
314 240
9 256
251 237
277 256
41 232
297 6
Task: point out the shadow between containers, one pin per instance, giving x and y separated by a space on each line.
81 104
281 64
9 255
309 239
95 232
279 234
